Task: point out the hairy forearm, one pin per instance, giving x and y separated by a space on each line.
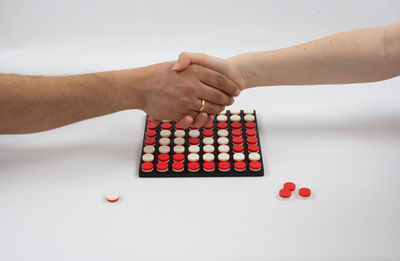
364 55
38 103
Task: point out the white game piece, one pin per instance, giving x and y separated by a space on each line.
248 111
165 133
254 156
249 117
208 141
238 157
164 149
223 157
148 157
179 133
112 196
234 111
222 112
223 133
179 149
164 141
193 157
148 149
223 141
194 149
223 149
208 157
222 118
208 149
194 133
235 118
179 141
166 120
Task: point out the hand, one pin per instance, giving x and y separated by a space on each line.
174 95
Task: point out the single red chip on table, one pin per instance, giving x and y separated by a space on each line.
178 166
305 192
237 140
178 157
224 166
252 140
290 186
193 166
162 166
238 148
194 141
147 166
209 166
208 127
251 133
208 133
151 126
166 126
163 157
236 133
222 125
151 133
250 125
255 165
240 165
253 148
150 141
236 125
285 193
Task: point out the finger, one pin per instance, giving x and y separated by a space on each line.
210 120
217 81
200 120
156 122
213 95
185 122
182 63
211 62
210 108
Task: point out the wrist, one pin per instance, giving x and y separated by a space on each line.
246 68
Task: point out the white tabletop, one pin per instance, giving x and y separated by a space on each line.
343 142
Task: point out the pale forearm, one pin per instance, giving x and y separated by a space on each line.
364 55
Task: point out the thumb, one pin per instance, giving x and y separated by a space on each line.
182 63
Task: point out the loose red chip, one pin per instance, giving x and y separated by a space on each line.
236 133
238 148
252 140
193 166
240 165
178 166
147 166
236 125
253 148
151 126
163 157
162 166
208 127
209 165
151 133
255 165
250 125
290 186
222 125
166 126
285 193
150 141
305 192
251 133
237 140
178 127
178 157
194 141
224 165
208 133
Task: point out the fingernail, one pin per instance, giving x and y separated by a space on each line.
237 92
176 66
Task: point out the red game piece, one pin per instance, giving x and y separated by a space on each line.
253 148
290 186
163 157
222 125
193 128
162 166
149 119
147 166
193 166
305 192
251 133
194 141
150 134
178 127
166 126
250 125
209 166
285 193
208 133
150 141
237 140
236 125
208 127
255 165
178 157
240 165
224 166
236 133
252 140
178 166
151 126
238 148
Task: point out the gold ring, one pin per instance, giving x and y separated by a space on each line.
203 105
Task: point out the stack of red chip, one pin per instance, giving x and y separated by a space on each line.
289 187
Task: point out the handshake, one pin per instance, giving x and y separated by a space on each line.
191 90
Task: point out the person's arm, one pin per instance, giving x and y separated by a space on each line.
364 55
38 103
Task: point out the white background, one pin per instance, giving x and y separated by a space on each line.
341 141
